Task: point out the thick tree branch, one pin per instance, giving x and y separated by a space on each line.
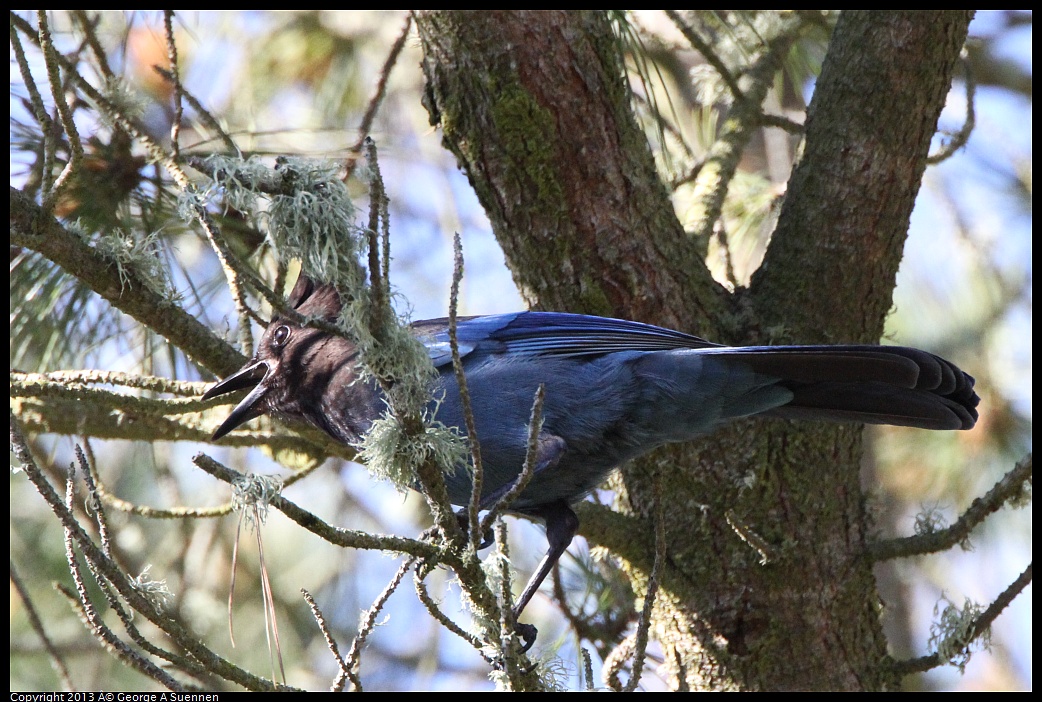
830 269
33 229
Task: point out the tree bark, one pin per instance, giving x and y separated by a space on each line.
536 108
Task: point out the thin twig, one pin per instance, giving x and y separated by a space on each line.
90 36
98 628
51 62
614 662
314 524
94 503
204 114
378 95
644 621
435 611
216 664
703 47
508 643
1009 487
38 109
331 644
960 138
535 426
57 662
175 78
721 163
478 470
973 632
368 622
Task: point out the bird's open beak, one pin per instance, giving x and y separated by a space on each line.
252 375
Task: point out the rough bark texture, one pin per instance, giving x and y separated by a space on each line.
831 267
535 107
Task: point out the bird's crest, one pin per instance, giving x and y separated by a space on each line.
311 299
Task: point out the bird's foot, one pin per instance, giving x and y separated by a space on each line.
527 633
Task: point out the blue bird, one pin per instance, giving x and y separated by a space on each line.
614 390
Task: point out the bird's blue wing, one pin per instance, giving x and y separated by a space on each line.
549 333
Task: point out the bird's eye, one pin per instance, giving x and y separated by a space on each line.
280 337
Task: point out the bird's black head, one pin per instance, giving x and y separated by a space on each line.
302 372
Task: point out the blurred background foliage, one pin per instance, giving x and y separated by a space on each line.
301 83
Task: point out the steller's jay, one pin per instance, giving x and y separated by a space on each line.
614 390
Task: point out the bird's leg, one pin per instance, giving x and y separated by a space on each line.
561 525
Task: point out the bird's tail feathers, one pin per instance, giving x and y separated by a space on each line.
872 384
